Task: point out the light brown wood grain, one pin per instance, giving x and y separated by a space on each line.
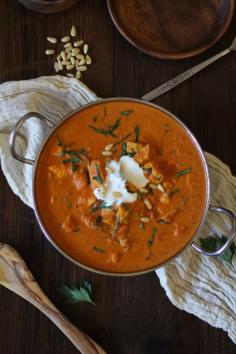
16 276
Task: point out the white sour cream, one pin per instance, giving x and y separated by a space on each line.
118 173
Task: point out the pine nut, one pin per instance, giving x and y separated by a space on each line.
143 190
68 45
68 50
63 55
79 56
52 40
117 194
108 147
65 39
59 57
78 75
160 187
88 59
85 48
49 51
70 75
82 68
60 66
78 43
72 59
75 51
148 204
107 153
73 32
69 66
68 56
145 219
56 67
82 62
65 63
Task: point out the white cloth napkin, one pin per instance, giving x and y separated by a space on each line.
203 286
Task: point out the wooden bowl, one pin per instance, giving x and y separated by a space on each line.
170 29
48 6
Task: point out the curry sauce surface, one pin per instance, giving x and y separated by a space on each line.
65 201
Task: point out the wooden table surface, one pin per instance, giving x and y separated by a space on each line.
133 315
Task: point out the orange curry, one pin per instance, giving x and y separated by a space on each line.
124 237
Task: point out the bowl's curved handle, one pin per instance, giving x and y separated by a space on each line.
231 233
15 130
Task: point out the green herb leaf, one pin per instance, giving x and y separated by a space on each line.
76 153
100 206
109 131
98 177
124 138
124 150
74 167
72 294
136 133
183 172
176 190
72 159
60 143
212 243
152 238
98 250
127 113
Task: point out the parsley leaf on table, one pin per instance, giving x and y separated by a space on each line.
212 243
73 294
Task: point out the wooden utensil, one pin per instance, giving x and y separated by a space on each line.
15 275
177 80
171 29
47 6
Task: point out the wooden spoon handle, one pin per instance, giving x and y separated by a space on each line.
15 275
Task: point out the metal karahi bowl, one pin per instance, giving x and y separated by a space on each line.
207 206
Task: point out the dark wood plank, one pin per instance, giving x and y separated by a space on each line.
133 315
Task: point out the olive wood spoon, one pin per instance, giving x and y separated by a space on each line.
16 276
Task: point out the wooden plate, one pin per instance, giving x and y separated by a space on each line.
171 29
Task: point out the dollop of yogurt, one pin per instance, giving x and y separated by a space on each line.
119 172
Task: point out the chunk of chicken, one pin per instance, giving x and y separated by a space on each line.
143 154
59 171
122 214
152 172
70 224
133 147
80 179
108 217
86 199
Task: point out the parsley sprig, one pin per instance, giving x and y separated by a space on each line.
73 294
212 243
